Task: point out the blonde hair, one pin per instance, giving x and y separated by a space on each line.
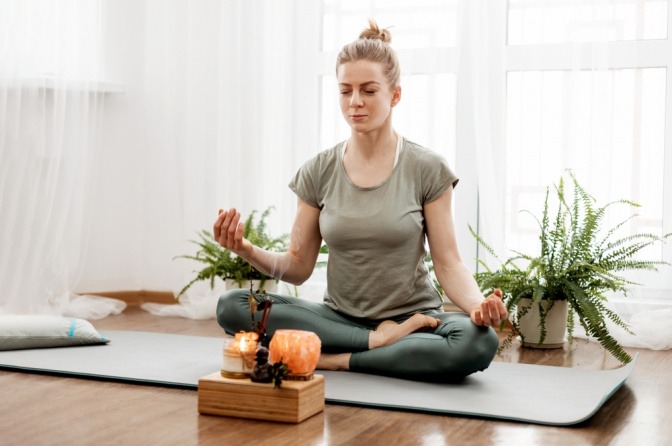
373 44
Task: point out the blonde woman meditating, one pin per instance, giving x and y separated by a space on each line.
373 199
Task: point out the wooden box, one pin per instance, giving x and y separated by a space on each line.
292 402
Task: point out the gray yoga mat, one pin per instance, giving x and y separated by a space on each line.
520 392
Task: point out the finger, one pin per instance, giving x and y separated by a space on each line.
500 307
476 317
224 227
485 310
503 313
490 309
238 240
483 316
216 227
232 228
493 310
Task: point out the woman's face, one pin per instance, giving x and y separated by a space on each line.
365 95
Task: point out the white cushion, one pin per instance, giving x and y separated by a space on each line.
38 331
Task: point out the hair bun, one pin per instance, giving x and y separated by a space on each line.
374 32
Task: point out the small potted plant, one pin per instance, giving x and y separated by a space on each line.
578 262
225 265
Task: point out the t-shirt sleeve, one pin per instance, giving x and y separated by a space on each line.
438 176
303 184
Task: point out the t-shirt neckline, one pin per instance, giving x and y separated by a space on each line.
397 154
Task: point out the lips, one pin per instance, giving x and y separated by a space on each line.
357 117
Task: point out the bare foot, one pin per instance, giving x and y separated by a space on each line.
389 332
334 361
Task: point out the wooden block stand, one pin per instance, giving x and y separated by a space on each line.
292 402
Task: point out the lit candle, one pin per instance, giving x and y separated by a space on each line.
238 355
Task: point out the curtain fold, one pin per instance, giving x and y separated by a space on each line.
51 113
481 77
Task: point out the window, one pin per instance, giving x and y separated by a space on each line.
587 87
533 22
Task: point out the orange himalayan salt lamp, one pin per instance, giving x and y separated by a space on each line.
299 349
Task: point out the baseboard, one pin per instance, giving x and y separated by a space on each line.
138 297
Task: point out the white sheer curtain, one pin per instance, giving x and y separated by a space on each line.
231 113
219 109
581 85
51 113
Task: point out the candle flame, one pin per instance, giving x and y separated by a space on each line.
245 342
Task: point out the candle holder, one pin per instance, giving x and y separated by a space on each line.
239 355
298 349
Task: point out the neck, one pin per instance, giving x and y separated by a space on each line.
373 144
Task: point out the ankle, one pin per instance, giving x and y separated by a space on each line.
377 339
338 361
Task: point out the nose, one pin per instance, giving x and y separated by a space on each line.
356 100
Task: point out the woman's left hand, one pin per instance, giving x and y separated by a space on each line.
491 311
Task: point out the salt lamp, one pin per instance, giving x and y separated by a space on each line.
299 349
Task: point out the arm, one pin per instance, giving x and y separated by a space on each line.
294 266
453 275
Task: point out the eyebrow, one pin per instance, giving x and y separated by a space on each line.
344 84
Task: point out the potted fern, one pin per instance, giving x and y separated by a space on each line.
578 263
225 265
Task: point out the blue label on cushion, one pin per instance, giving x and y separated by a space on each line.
73 325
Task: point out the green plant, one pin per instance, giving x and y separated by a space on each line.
222 263
577 262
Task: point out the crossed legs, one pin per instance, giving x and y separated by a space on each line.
436 347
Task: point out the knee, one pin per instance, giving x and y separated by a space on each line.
233 313
476 345
484 347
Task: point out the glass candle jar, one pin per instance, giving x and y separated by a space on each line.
238 355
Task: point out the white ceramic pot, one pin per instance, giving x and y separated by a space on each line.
555 323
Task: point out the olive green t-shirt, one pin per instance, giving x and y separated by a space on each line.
376 235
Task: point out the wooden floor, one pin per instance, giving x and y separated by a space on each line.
45 410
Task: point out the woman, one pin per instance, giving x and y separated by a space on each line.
373 199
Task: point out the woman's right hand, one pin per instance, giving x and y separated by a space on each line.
228 232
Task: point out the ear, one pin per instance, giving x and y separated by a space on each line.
396 95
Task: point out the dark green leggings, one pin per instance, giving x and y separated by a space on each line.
452 350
